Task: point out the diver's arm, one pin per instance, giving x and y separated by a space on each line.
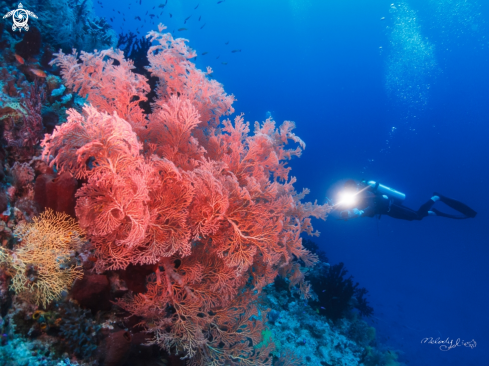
351 214
376 206
368 207
368 211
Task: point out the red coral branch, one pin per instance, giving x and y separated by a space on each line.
214 210
108 87
170 61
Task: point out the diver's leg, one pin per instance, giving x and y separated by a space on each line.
456 205
402 212
424 210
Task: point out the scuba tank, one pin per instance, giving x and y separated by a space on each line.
384 190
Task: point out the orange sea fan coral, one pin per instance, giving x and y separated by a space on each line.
42 265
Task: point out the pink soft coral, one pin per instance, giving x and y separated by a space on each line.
170 61
108 87
209 208
169 133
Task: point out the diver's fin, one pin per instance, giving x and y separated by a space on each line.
442 214
456 205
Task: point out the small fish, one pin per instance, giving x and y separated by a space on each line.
226 43
200 18
323 308
154 7
217 57
203 26
182 29
224 63
147 12
161 5
383 18
323 290
137 17
111 19
39 73
220 1
170 15
204 53
139 2
185 21
19 59
196 6
234 51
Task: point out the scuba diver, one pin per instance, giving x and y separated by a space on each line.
376 199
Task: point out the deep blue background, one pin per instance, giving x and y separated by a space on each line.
318 63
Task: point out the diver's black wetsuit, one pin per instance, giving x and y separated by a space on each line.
375 204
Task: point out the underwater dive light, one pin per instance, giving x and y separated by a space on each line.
347 198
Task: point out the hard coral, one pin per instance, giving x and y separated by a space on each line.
79 329
23 121
23 175
337 294
72 24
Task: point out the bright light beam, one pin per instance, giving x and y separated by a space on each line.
348 198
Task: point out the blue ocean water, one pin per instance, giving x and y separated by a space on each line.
392 92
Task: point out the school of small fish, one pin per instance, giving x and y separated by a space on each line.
152 15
